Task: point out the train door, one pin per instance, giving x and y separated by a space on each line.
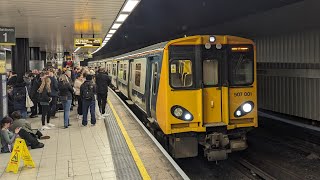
211 93
153 79
130 82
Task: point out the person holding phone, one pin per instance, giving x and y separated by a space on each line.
7 137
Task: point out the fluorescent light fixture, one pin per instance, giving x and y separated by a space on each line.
116 26
130 5
106 39
122 17
109 35
112 31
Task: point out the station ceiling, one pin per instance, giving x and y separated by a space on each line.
161 20
52 25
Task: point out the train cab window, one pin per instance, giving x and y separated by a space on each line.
210 72
137 75
124 72
241 65
181 73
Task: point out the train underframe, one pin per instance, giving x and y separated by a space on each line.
217 143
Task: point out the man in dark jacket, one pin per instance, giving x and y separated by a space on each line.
87 92
19 96
54 94
102 81
34 95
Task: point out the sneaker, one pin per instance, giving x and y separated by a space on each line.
65 127
93 124
69 124
44 128
51 125
105 115
40 145
45 137
33 116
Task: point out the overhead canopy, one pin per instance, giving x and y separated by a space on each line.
52 25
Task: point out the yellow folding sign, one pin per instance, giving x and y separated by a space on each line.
20 150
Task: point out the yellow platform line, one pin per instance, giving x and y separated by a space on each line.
132 149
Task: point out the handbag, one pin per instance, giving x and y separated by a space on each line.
29 102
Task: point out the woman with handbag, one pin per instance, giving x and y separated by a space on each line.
65 97
45 99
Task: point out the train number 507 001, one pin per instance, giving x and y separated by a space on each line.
238 94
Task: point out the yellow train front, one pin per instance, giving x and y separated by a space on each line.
207 95
193 90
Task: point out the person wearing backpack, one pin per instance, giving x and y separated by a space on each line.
87 92
19 96
45 99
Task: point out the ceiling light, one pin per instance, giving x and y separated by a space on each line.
130 5
106 39
112 31
116 26
77 49
122 17
109 35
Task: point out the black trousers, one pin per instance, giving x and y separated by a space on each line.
53 106
45 113
34 109
79 99
102 101
28 137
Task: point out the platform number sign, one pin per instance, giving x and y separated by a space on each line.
7 36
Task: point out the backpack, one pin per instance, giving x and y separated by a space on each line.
88 93
19 94
44 96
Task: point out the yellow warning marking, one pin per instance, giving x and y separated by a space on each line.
20 151
133 150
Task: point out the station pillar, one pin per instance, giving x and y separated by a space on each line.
35 59
21 56
43 57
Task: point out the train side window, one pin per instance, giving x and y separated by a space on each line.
155 78
124 72
181 73
120 73
210 72
137 75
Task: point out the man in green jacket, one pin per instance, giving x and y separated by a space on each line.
19 122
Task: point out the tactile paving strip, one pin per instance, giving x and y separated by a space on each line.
124 163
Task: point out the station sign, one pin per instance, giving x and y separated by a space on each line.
87 42
7 36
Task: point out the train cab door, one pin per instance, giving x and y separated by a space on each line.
130 81
154 80
212 93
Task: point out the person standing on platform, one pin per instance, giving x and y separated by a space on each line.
45 99
77 84
54 94
102 81
19 97
34 95
66 92
87 93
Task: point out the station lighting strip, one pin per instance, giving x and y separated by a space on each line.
122 16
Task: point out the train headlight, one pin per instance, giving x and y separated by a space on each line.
181 113
178 112
212 39
187 116
244 109
247 107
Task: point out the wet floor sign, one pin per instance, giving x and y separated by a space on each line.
20 150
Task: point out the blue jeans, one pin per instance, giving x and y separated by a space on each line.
85 106
66 111
23 114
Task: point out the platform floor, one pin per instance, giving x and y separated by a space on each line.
74 153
